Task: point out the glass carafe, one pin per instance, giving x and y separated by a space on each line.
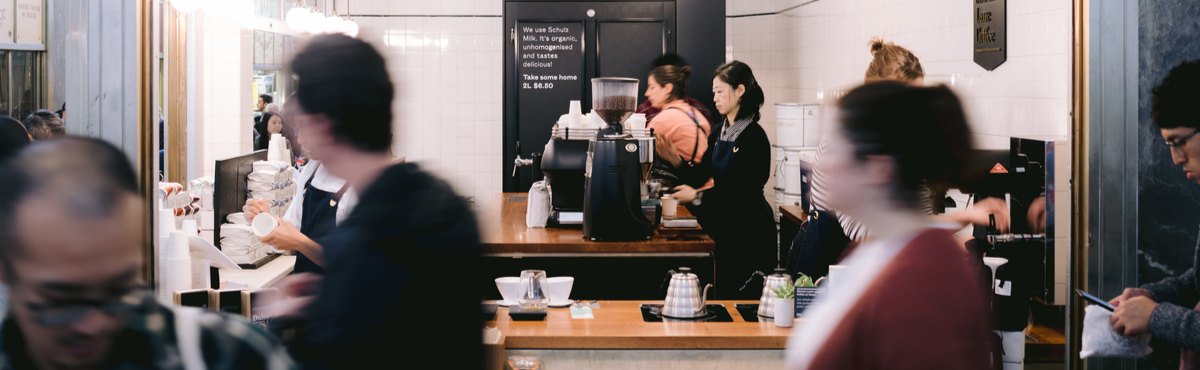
533 290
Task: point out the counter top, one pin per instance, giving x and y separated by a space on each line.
505 233
619 325
262 277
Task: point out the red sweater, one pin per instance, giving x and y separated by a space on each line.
925 310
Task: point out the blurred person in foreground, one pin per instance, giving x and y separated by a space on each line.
76 297
1167 309
44 124
411 246
888 308
13 137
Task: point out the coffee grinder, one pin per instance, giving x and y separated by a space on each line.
617 166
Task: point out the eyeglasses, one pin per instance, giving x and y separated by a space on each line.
70 313
1178 144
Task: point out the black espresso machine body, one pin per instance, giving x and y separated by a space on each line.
612 208
564 162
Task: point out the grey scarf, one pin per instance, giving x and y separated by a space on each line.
731 132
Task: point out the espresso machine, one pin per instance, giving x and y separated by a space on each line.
1018 266
618 165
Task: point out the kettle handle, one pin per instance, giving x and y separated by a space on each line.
704 299
751 278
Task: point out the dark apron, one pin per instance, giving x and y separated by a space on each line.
742 225
318 219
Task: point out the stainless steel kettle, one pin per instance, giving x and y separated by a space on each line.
766 307
684 297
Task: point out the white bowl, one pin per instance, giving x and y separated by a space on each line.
560 288
510 289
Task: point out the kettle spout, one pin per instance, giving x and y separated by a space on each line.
703 301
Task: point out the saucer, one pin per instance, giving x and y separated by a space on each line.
562 304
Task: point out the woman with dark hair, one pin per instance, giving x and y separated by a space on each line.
888 307
681 130
13 137
270 123
733 210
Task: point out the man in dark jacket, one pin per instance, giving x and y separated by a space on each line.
401 288
1165 308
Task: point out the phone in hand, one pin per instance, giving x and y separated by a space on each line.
1095 300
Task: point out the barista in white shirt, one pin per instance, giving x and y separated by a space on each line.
316 209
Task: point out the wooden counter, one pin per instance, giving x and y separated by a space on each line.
506 233
619 325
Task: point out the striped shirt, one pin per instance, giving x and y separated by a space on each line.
819 199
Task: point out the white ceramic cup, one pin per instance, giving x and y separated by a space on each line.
560 288
510 288
263 224
670 206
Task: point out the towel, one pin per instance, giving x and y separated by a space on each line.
1100 340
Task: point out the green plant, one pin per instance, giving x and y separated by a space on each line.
805 281
787 291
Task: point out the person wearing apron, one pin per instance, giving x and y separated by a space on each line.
317 207
733 210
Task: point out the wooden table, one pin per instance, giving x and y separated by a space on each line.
619 325
602 270
506 234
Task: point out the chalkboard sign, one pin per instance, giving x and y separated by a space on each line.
990 33
549 73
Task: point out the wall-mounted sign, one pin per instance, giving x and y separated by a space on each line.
30 27
6 21
991 36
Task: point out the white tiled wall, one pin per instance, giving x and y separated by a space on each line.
447 71
814 53
226 124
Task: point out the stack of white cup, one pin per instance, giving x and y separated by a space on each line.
177 271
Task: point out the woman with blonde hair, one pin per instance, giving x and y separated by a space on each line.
812 256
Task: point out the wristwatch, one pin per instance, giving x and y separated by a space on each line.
699 198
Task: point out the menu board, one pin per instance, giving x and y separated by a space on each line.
550 56
549 75
29 21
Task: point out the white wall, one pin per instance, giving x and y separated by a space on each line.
445 59
222 63
814 53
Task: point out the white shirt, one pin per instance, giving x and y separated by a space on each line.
324 182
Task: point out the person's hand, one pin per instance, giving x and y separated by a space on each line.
1037 215
285 237
980 212
255 206
684 193
665 151
1130 293
1133 317
296 293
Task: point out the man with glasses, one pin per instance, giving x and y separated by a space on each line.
1164 308
71 235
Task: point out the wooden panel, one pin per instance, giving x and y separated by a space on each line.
176 97
619 325
507 233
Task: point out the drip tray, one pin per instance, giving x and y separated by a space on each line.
716 313
749 312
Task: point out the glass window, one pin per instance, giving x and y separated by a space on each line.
5 82
26 83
